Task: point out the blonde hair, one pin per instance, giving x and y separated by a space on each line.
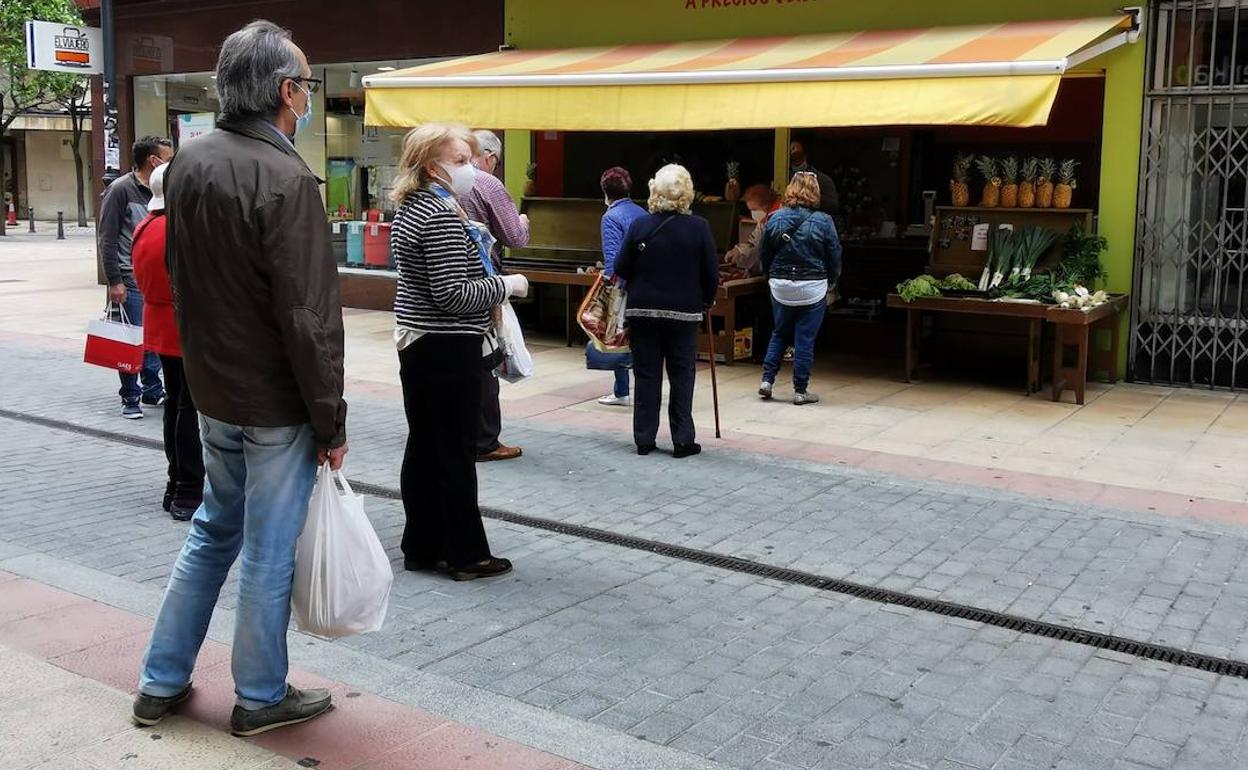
671 190
803 190
421 146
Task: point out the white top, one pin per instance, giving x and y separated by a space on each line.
798 293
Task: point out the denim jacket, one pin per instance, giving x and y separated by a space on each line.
810 252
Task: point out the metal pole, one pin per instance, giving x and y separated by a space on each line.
32 219
112 144
60 225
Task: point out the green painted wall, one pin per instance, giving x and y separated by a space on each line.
566 23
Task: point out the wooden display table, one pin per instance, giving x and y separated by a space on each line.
1072 333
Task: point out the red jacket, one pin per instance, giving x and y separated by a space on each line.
160 331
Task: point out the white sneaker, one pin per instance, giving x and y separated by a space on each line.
764 389
613 400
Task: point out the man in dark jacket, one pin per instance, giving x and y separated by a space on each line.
125 205
255 287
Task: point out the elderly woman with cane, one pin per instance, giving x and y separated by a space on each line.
672 271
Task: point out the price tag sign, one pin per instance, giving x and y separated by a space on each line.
979 237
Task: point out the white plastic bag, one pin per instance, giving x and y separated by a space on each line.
517 363
342 575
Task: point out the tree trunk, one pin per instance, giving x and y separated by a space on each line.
75 117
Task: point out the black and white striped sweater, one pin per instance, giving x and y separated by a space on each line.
443 288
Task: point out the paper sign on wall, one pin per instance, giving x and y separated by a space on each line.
195 124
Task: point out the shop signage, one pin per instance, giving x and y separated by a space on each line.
149 54
195 124
61 47
706 5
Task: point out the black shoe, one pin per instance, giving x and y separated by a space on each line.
645 449
150 709
167 503
420 565
686 450
180 511
298 706
491 567
154 400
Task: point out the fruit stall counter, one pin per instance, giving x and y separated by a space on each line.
1073 354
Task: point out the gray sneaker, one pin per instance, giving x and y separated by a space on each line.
298 706
150 709
805 398
764 389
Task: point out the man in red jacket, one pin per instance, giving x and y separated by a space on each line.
185 488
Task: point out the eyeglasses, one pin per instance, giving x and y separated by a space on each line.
314 84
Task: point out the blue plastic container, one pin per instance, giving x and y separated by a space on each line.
355 244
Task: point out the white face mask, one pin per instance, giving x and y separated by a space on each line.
460 177
757 215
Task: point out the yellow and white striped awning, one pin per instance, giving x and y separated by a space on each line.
993 74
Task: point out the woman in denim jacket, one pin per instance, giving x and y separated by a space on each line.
801 255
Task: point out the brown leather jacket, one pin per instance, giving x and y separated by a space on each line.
255 282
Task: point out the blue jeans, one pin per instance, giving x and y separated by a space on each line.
796 326
130 391
619 363
256 489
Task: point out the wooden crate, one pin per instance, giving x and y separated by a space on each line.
951 236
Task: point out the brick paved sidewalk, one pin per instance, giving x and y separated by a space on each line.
746 672
67 694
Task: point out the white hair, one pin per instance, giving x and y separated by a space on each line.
489 143
671 190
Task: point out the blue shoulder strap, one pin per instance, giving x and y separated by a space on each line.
482 251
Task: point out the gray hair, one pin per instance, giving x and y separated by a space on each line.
253 63
489 143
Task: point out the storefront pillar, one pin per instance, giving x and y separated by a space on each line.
310 142
780 174
1120 166
517 154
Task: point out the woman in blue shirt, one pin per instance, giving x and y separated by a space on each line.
801 255
616 184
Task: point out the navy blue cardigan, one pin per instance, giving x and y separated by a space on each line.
672 273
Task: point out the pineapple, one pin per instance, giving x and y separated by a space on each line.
1044 183
1064 191
732 190
987 166
1009 183
959 188
1027 188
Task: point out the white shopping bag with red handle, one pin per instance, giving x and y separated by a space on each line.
115 344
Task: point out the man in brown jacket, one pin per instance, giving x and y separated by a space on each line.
255 288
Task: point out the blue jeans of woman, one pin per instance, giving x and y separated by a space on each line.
256 491
796 326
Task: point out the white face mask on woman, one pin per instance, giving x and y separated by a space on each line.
461 177
757 214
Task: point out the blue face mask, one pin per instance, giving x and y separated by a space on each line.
304 120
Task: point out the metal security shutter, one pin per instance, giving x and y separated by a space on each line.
1190 312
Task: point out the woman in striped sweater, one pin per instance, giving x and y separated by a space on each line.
444 311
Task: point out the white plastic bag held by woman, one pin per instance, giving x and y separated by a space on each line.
342 575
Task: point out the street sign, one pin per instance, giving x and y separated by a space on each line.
61 47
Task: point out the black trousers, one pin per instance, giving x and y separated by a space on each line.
441 377
657 345
491 416
182 448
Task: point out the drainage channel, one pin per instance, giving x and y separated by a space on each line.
1022 625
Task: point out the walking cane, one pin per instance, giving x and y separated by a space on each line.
710 338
